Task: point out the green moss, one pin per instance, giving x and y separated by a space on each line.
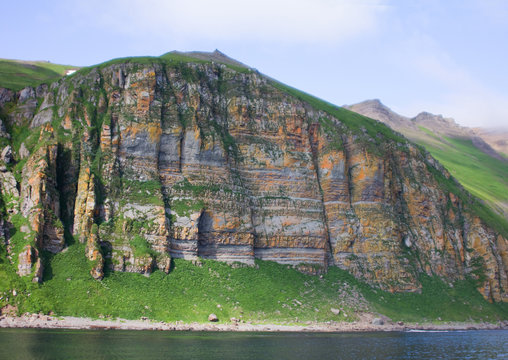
186 207
140 247
19 238
142 192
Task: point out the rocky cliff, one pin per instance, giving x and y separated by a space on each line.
152 158
468 155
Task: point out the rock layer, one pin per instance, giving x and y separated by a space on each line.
174 159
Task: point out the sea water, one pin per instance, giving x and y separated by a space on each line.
119 344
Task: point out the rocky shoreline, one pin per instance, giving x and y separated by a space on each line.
364 324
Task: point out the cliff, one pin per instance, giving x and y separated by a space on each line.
148 159
465 152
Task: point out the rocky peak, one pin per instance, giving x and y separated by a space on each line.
375 109
439 123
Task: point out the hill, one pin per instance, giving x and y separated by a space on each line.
173 186
463 151
17 74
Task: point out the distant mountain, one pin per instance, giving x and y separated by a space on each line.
463 151
497 138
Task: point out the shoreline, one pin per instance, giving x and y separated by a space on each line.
76 323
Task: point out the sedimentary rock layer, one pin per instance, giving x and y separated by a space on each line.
144 162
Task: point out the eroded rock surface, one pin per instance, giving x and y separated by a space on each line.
194 160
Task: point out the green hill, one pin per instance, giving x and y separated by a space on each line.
479 168
16 74
482 175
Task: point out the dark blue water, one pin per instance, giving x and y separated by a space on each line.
116 344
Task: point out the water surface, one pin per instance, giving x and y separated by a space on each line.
118 344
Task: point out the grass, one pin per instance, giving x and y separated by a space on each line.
17 75
267 293
482 175
355 122
172 59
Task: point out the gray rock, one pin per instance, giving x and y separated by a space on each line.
378 321
3 131
41 90
213 318
26 93
335 311
7 154
47 102
42 117
23 151
6 96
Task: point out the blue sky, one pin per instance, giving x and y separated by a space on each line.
448 57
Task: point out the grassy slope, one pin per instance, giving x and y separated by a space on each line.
482 175
16 75
269 292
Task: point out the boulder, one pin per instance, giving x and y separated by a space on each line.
213 318
26 94
7 154
335 311
378 321
23 151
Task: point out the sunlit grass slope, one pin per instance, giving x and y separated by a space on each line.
482 175
16 74
268 292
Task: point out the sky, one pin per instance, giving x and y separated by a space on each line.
445 57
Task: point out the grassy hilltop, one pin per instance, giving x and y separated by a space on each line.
17 74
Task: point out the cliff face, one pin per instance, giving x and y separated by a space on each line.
144 161
471 160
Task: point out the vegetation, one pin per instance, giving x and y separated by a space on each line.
142 192
480 174
140 246
359 124
16 75
268 292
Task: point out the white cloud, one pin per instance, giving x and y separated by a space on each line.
288 21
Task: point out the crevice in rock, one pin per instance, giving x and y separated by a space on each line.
313 143
165 198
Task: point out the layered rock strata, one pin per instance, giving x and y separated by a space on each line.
144 162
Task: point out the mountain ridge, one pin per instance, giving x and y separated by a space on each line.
145 160
481 169
445 126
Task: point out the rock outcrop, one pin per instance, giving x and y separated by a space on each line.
181 159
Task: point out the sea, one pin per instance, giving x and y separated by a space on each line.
124 344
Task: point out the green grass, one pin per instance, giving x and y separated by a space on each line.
16 75
172 59
480 174
142 192
357 123
269 293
